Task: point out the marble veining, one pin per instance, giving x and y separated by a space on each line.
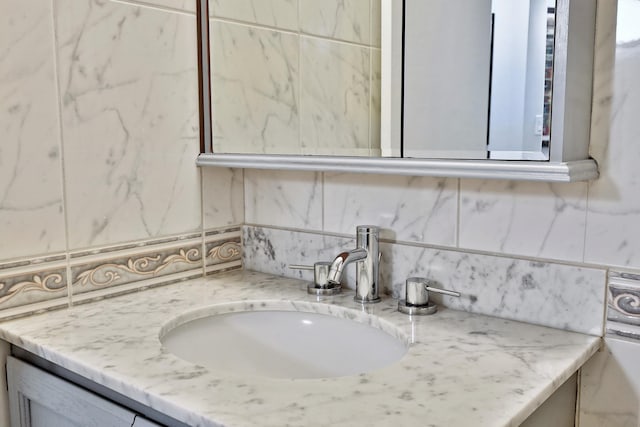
545 293
31 211
284 198
348 20
462 369
281 14
129 121
335 98
416 209
524 218
255 83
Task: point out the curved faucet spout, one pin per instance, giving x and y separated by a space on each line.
343 259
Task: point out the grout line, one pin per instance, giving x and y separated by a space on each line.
63 175
203 244
322 200
586 222
370 78
458 209
146 5
298 33
244 195
606 303
299 86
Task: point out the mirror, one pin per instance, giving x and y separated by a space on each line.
475 80
272 94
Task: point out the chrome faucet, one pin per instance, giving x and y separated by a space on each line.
366 256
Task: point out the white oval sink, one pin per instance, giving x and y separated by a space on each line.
283 344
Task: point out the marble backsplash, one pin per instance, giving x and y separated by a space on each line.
541 292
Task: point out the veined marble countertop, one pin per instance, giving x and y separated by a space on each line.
462 369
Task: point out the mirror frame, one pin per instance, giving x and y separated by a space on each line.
570 127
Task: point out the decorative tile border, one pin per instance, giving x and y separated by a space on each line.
223 251
623 305
31 285
120 269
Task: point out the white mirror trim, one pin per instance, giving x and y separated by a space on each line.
581 170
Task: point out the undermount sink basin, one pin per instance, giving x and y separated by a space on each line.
271 340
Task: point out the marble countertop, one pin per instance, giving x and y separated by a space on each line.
462 369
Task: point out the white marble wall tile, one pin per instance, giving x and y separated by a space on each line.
255 90
223 197
281 14
559 296
271 250
283 199
610 386
418 209
335 97
348 20
129 114
31 211
524 218
613 235
555 295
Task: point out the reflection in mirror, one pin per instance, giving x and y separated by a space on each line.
478 78
521 81
477 85
628 30
296 77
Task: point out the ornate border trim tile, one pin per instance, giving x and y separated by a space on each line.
223 251
37 284
32 285
623 304
151 263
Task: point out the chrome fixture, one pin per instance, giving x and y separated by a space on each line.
366 256
320 285
417 296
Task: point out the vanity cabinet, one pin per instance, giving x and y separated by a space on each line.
40 399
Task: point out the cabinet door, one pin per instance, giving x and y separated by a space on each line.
40 399
447 62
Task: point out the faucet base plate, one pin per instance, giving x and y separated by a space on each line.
315 290
366 301
419 310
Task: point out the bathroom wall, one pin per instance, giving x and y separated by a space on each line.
535 252
99 192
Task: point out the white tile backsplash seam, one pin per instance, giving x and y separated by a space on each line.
60 135
203 231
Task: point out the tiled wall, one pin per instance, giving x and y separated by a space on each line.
296 76
99 191
536 252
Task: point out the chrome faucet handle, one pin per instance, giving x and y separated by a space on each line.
417 296
321 285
